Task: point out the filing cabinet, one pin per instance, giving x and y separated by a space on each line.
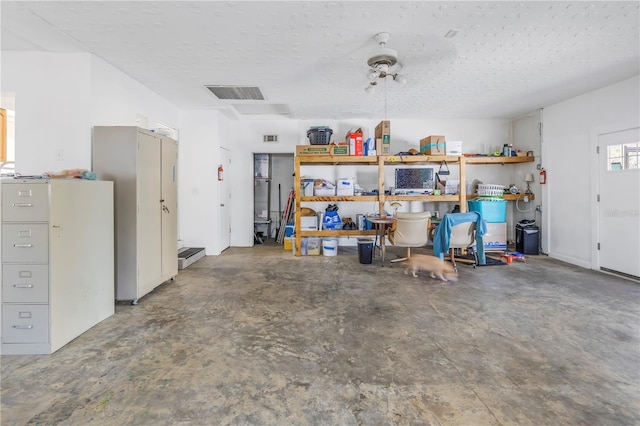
57 261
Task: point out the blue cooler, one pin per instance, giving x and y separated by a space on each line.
492 211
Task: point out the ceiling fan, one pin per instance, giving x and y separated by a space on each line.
383 63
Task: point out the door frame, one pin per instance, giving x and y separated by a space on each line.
594 183
224 239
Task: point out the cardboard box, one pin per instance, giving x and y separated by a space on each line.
453 147
341 148
433 145
309 223
333 149
356 143
383 138
496 237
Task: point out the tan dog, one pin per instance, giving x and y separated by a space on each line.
434 265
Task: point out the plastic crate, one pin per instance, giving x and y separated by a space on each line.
493 211
319 135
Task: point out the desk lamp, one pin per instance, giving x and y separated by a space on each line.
528 179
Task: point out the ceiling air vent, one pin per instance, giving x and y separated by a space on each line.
238 93
270 138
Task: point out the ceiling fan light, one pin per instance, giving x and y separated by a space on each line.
384 56
370 89
400 79
373 74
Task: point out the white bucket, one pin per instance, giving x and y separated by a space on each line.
329 247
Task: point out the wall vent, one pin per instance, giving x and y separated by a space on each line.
238 93
270 138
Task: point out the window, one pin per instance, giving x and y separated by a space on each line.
623 157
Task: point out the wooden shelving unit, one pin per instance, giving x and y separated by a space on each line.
391 160
381 162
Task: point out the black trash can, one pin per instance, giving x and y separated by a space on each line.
365 250
527 238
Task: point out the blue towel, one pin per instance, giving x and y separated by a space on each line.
442 234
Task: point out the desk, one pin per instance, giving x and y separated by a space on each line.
381 224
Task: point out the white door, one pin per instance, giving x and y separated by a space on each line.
149 214
224 195
169 209
619 207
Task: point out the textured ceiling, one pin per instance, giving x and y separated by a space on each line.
309 58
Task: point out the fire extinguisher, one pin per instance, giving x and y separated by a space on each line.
543 176
220 172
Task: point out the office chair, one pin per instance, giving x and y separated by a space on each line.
460 230
409 230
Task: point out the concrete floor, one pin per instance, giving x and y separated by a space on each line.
256 336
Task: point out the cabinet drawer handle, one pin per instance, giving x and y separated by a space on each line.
22 326
23 245
22 204
23 285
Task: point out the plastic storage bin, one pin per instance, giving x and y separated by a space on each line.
320 135
304 242
365 250
494 211
313 246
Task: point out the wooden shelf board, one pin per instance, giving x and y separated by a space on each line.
336 159
432 198
337 233
506 197
407 159
339 198
498 160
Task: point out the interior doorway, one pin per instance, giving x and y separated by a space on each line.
224 196
619 195
272 182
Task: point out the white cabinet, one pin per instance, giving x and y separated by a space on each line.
142 165
57 261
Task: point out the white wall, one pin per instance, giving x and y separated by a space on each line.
570 160
246 139
198 160
526 135
118 100
52 104
60 96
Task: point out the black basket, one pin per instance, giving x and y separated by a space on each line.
319 135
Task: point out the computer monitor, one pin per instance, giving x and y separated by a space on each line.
414 180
